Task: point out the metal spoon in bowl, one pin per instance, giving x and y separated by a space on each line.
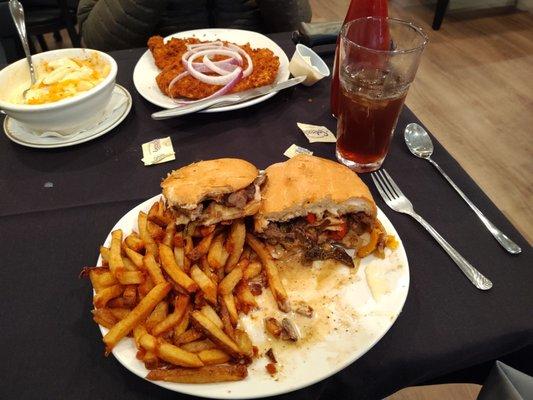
17 13
420 144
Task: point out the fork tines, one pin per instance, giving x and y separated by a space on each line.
387 188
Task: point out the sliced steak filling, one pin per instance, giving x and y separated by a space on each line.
318 239
222 207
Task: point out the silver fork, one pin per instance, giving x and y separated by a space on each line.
395 199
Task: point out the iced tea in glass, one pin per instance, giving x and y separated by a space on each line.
373 86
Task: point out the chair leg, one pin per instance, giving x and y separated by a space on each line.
440 10
42 43
72 33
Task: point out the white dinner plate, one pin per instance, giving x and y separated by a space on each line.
145 71
348 321
115 112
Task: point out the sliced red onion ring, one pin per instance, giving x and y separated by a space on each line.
219 68
227 64
200 66
228 71
211 79
189 53
250 67
230 85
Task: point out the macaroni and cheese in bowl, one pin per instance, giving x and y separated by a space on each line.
72 90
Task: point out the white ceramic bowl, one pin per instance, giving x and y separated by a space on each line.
306 62
64 116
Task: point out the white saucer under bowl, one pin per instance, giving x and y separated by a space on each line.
117 109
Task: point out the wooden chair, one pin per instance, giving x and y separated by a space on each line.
50 16
440 10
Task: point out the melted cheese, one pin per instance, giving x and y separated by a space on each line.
66 77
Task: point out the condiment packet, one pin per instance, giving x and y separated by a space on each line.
158 151
317 133
294 150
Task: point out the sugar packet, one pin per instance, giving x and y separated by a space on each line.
158 151
294 150
317 133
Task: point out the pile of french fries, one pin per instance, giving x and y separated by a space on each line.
179 295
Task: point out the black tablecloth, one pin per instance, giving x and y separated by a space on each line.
57 206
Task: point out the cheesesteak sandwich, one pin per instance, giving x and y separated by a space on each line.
317 208
212 191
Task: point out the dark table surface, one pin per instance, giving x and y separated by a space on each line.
52 349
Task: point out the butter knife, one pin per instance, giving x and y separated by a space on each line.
227 99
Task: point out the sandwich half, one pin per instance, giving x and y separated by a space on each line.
213 191
317 208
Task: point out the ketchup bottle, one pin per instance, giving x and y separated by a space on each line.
359 9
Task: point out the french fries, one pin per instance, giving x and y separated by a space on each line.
243 341
119 313
227 284
149 242
104 295
217 335
138 332
197 346
182 326
245 298
128 264
172 269
145 287
104 317
170 231
104 253
213 357
226 320
252 270
155 231
217 255
274 280
138 314
206 285
190 335
134 242
181 260
130 277
130 296
235 243
136 258
159 214
202 247
153 268
115 257
101 278
229 301
169 352
117 302
179 293
206 268
173 319
209 374
159 313
210 313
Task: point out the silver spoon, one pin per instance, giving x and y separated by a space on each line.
17 13
420 144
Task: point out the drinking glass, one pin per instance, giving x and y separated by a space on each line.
378 60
